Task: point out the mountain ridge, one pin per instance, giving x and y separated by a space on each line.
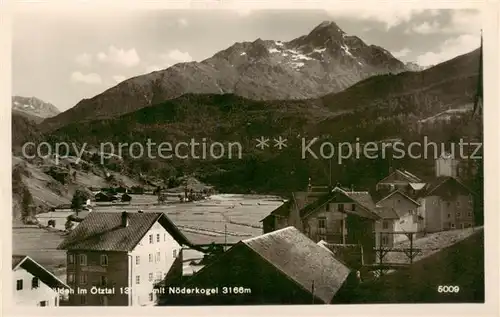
325 60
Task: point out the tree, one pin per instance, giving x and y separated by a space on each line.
26 204
79 198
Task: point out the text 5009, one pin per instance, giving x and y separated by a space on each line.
448 289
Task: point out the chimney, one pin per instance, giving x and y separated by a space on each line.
125 219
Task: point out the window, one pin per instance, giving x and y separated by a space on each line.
158 276
341 207
353 207
137 279
137 260
458 203
151 297
19 285
71 258
83 279
158 237
385 240
157 258
469 225
104 280
452 225
43 303
385 224
399 201
71 278
150 239
104 260
151 258
83 259
458 214
150 277
469 214
449 215
83 299
322 223
174 253
35 282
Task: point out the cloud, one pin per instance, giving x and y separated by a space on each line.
154 68
121 57
177 56
464 21
84 59
401 53
426 28
449 49
119 78
182 22
390 16
91 78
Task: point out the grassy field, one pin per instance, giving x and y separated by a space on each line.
220 219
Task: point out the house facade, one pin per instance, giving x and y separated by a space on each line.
401 215
34 285
446 204
122 254
397 179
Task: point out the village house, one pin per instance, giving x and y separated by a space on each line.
446 204
35 285
104 197
281 267
126 252
398 179
399 213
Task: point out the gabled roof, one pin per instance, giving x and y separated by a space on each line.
301 260
407 176
402 194
30 265
283 210
102 231
363 199
436 183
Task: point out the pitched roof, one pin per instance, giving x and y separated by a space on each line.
363 199
434 184
407 176
283 210
30 265
102 231
301 260
402 194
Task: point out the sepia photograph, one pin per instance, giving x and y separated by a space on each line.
222 157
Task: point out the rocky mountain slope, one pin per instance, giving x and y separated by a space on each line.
379 108
326 60
33 108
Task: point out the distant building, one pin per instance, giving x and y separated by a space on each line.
447 165
446 204
397 179
33 284
399 213
104 197
281 267
127 252
338 216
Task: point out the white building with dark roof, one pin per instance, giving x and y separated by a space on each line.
122 254
34 285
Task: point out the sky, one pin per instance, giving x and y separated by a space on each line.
65 56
